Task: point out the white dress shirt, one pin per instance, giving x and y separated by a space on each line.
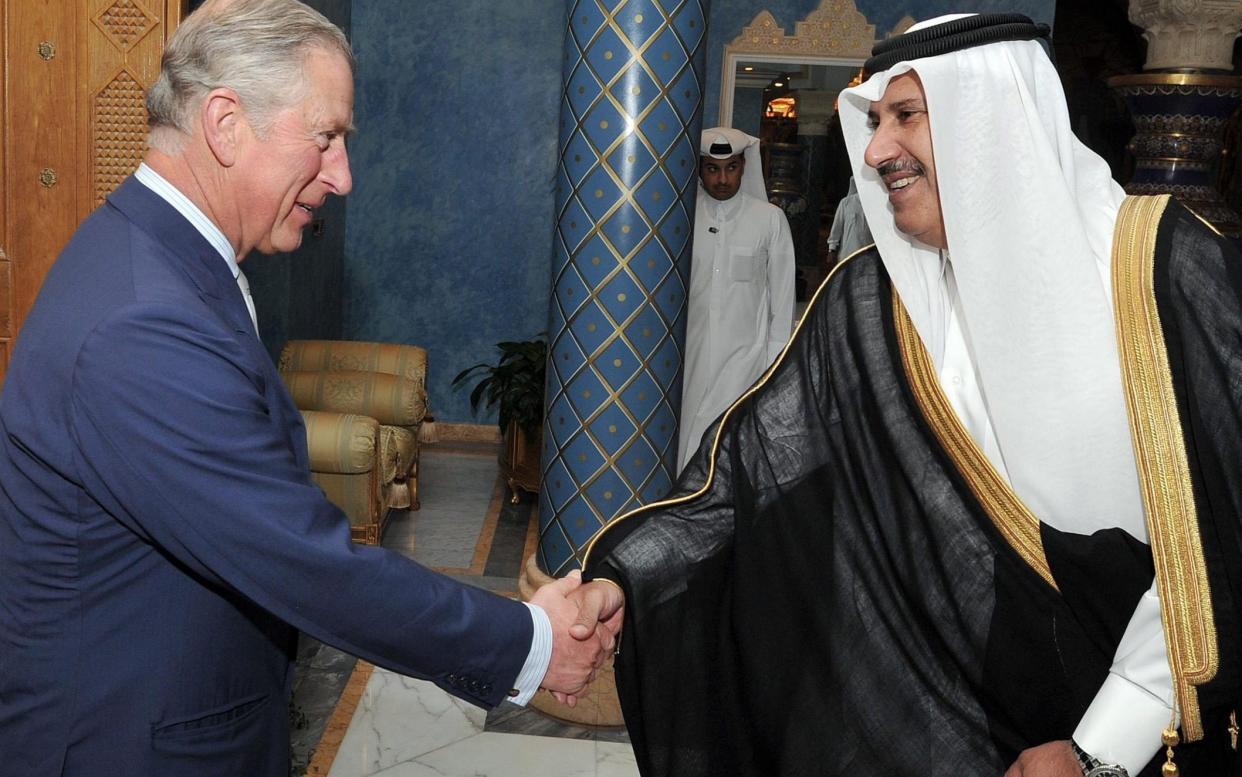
1124 722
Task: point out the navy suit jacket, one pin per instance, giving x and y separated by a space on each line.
161 541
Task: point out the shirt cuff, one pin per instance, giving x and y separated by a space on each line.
536 666
1123 725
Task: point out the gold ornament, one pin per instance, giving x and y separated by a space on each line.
1170 739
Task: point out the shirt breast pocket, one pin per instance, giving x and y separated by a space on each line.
745 264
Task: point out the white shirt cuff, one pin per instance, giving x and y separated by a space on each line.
1123 724
536 666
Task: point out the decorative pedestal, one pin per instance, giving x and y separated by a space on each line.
598 705
786 183
1180 120
519 460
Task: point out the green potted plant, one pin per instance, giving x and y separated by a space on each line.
514 385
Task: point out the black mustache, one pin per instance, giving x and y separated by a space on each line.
900 166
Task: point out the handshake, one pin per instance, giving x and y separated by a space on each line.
586 622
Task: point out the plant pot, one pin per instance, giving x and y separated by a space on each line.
519 460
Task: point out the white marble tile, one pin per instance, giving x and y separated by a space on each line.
504 755
399 719
615 759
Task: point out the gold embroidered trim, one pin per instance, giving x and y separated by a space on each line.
711 468
1206 223
1016 523
1160 453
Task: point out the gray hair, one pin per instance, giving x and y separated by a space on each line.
257 48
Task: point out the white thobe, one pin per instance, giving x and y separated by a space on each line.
849 226
741 306
1124 721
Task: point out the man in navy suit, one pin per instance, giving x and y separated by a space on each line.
161 541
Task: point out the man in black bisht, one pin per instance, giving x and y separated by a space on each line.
982 515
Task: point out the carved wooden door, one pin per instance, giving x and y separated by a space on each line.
72 125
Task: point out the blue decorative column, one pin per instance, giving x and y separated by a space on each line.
630 121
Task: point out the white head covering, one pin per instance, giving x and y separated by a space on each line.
1028 214
739 143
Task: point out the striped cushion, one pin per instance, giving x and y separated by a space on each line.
408 361
341 442
386 398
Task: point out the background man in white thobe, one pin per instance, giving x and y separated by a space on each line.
741 283
849 227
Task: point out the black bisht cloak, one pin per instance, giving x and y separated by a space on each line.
838 586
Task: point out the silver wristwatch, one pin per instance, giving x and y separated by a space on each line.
1094 767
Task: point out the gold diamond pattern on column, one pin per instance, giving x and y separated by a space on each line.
120 132
125 22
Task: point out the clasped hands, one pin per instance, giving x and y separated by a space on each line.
586 622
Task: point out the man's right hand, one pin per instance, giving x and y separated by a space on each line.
574 658
601 603
601 607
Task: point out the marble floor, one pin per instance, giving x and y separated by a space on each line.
354 720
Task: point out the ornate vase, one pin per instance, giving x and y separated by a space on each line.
1179 121
785 181
1183 102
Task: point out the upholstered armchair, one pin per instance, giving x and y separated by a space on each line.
363 404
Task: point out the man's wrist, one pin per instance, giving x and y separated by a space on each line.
1123 724
537 658
1093 767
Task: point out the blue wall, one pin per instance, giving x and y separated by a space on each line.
449 230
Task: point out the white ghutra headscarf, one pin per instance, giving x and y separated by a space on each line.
1028 214
737 142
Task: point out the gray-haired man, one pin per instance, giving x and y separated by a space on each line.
161 541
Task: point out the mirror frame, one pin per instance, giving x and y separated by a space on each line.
835 33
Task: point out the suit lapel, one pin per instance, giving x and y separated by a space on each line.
210 275
197 258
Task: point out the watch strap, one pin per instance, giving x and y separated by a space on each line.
1094 767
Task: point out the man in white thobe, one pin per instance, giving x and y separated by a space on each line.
849 227
741 283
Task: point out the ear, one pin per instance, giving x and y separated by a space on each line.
223 124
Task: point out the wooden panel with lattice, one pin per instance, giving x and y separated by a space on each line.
72 124
119 118
124 41
125 22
